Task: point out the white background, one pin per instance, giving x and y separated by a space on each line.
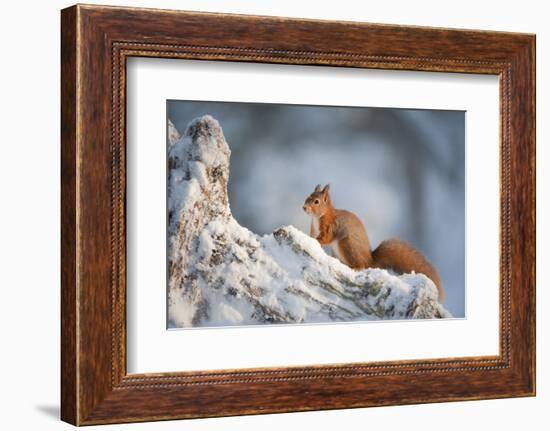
153 349
29 228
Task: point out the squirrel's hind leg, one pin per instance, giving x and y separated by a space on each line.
349 254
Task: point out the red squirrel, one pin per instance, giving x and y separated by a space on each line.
345 233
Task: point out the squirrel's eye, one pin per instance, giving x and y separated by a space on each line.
316 201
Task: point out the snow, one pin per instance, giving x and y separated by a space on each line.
198 171
173 134
222 274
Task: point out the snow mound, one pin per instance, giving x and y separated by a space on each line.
222 274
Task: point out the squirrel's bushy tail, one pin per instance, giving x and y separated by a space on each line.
403 258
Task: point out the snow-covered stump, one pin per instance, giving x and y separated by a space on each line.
223 274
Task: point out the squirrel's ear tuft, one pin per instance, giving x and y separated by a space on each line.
325 192
317 188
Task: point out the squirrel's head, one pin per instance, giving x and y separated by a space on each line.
317 203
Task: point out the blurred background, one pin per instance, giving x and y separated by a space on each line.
402 171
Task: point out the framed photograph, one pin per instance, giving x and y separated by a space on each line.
264 214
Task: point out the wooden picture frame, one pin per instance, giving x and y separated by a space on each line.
95 43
